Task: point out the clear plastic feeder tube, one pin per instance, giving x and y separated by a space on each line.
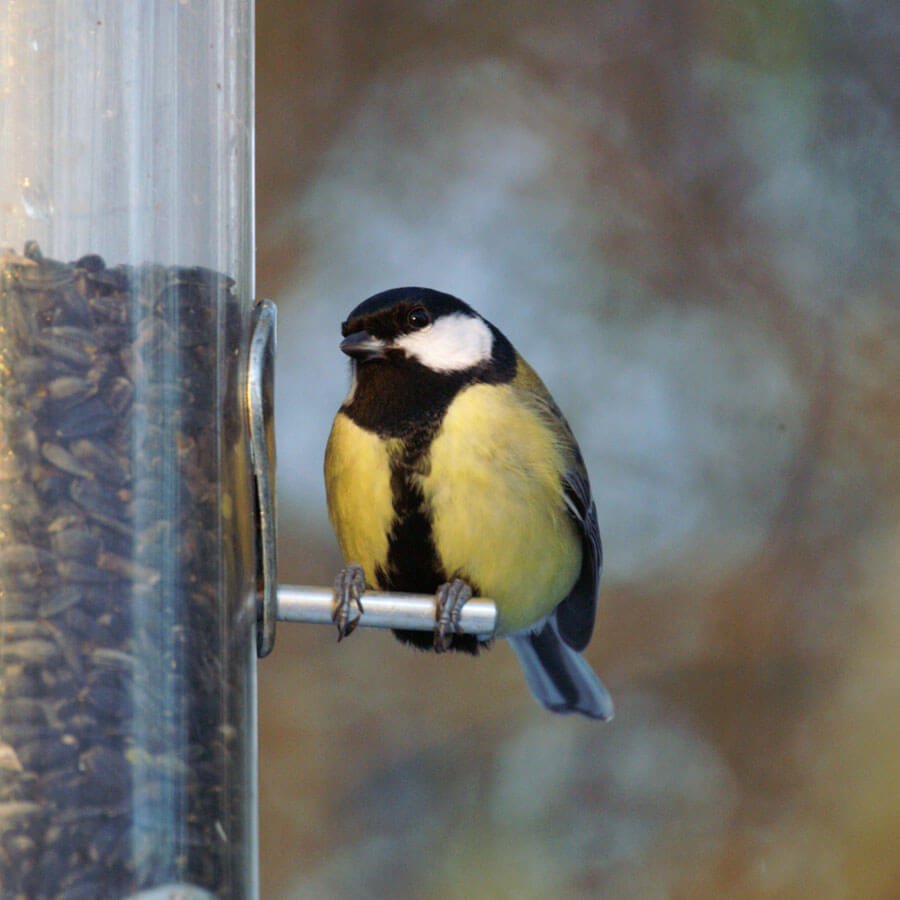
127 567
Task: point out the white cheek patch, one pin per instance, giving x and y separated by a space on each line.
453 343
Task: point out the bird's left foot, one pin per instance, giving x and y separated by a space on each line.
450 599
349 587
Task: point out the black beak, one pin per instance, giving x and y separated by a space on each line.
362 346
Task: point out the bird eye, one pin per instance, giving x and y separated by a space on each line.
418 317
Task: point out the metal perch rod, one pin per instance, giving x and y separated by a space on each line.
299 603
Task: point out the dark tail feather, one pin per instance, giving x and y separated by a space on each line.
560 678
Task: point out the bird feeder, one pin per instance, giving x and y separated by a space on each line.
128 553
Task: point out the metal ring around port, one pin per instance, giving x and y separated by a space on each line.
260 409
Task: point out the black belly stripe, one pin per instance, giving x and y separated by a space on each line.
412 561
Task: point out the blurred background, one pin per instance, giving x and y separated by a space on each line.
685 215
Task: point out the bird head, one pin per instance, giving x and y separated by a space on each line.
419 326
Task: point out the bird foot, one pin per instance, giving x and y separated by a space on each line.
349 587
450 599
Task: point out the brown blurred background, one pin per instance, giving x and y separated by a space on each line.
686 216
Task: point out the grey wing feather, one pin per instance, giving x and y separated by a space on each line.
575 615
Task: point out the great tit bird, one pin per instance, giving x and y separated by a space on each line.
451 470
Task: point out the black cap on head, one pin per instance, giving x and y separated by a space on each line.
385 314
437 302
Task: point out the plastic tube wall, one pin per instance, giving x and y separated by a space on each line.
127 607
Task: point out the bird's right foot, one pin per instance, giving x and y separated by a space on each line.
349 587
450 599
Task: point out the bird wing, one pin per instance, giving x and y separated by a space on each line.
575 615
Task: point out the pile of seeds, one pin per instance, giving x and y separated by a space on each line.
118 745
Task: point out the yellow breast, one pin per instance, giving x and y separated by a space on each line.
358 489
498 514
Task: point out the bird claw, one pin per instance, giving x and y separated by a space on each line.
450 599
349 587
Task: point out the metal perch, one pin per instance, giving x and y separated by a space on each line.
313 605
